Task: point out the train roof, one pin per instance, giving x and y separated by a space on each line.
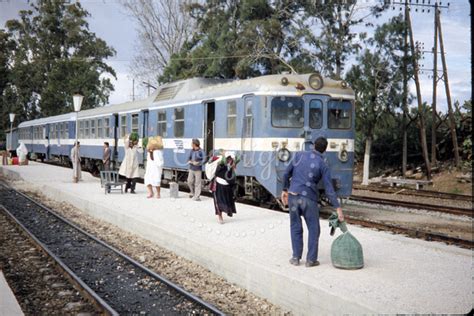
201 89
49 120
196 90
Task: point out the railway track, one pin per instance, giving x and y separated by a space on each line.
413 205
412 192
115 282
420 234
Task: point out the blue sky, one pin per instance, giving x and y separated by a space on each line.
110 22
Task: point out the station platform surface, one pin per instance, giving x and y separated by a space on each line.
8 304
401 274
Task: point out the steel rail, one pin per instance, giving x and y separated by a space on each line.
469 244
156 276
412 205
83 287
423 193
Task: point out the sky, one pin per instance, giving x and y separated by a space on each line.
110 22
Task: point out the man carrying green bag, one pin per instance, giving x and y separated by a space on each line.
301 194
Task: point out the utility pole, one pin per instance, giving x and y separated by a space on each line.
424 145
405 95
452 123
434 113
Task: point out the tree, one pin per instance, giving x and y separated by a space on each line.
376 80
6 47
163 27
335 41
238 39
56 56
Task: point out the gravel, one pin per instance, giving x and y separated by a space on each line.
226 296
125 288
39 287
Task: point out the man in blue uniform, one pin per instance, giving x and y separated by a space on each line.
300 193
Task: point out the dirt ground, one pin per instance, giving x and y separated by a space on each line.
444 180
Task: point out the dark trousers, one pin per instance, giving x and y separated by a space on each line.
131 183
301 206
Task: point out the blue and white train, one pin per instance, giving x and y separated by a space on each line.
264 120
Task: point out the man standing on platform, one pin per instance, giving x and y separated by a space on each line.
304 172
195 160
106 157
76 162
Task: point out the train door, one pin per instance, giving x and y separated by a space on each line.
209 127
145 115
246 146
313 120
145 123
116 138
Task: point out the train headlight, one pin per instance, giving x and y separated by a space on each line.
343 155
315 81
283 155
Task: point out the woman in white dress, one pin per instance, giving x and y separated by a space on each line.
154 165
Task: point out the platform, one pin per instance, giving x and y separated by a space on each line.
8 304
401 275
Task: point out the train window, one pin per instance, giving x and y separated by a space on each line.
231 118
123 125
339 114
135 123
107 128
66 131
161 128
248 118
100 128
92 123
81 129
287 112
178 122
86 129
52 131
315 114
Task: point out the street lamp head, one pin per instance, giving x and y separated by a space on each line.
12 117
77 100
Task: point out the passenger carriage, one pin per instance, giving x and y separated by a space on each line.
265 120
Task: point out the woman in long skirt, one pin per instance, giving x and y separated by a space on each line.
223 186
154 166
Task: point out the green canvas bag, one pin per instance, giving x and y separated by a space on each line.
346 250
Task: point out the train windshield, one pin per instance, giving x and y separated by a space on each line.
315 114
339 114
287 112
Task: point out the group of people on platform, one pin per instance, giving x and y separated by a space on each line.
222 177
300 183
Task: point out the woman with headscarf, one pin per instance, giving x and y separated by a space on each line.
129 165
154 165
22 153
223 186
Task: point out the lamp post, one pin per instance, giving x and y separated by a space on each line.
77 100
12 118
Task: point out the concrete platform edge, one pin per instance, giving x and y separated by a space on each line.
296 296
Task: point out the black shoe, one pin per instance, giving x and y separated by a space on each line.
295 261
133 192
310 263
